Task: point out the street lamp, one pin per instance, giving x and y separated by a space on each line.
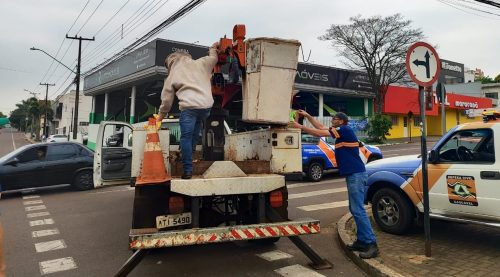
37 49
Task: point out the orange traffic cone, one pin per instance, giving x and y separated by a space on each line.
153 166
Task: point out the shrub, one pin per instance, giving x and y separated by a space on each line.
378 127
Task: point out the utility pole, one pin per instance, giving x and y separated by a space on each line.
46 106
77 80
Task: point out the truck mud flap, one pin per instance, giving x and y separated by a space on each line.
148 239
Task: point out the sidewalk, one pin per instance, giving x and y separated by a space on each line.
414 140
457 250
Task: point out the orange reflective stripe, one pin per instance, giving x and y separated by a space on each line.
346 144
335 133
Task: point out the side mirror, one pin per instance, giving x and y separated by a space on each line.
433 156
13 161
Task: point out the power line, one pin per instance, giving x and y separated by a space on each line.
476 9
177 15
463 10
491 3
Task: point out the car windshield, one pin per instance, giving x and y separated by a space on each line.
13 154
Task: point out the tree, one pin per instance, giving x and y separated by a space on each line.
486 80
497 79
2 115
377 45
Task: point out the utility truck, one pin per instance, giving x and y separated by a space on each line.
238 189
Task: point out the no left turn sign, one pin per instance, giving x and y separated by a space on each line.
423 64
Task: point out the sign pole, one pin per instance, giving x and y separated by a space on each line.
423 145
423 66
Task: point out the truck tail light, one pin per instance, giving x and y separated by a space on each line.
276 199
176 204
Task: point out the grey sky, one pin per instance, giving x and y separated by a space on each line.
468 37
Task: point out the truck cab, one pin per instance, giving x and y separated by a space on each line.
463 178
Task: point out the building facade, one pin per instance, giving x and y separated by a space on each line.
64 114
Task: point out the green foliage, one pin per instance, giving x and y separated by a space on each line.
487 80
378 127
2 115
497 79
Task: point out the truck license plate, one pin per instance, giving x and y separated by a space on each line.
164 221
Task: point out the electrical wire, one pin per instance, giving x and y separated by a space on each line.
186 9
475 9
464 10
134 27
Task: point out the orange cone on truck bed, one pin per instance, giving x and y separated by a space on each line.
153 166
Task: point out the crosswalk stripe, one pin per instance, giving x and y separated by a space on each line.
50 245
37 214
33 202
44 233
324 206
299 185
34 208
57 265
46 221
274 255
297 271
315 193
30 197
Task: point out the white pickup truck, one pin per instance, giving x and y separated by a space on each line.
464 181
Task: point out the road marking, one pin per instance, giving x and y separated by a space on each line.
37 214
46 221
116 190
44 233
315 193
50 245
297 271
35 208
292 186
324 206
26 203
30 197
274 255
57 265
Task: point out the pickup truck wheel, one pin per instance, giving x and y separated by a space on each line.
84 180
315 172
392 211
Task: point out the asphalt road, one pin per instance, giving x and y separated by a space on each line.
86 233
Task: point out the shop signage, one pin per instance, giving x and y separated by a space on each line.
332 77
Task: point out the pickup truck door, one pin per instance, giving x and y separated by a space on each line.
113 153
466 175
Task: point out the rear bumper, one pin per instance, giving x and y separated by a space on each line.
152 238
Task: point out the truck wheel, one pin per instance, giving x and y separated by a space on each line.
392 211
315 172
84 180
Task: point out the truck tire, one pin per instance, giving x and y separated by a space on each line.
84 180
392 211
315 172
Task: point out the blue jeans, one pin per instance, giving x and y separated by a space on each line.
356 190
190 123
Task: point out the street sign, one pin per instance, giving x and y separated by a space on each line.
423 64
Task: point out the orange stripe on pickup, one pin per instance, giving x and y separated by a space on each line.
328 151
415 188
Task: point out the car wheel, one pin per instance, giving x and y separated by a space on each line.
84 180
315 172
393 212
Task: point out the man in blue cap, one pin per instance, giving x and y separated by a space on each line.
352 167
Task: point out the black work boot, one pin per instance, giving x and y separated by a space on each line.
357 246
370 252
187 175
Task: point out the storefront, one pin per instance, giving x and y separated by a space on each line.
402 105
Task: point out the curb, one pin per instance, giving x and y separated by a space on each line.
373 267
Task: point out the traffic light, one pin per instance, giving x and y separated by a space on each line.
441 92
428 99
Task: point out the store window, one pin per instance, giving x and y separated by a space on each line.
416 121
395 120
493 95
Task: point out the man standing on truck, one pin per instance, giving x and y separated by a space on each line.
352 167
189 80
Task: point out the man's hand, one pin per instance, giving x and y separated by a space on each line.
303 113
216 46
297 125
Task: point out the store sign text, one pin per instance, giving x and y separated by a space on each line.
312 76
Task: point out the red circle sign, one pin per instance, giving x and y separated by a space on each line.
423 64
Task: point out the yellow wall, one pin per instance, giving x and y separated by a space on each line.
433 124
